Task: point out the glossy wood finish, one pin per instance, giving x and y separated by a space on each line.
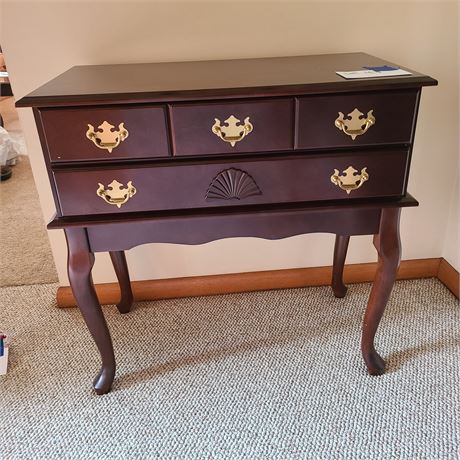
80 263
200 80
279 180
196 229
65 132
406 201
394 113
121 270
273 122
193 188
340 254
388 245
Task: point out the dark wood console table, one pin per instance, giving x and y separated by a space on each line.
197 151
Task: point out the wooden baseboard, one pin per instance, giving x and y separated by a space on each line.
449 277
256 281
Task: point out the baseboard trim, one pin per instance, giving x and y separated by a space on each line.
264 280
449 277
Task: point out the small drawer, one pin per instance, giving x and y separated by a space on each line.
233 127
105 133
356 119
278 180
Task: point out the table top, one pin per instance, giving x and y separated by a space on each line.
171 81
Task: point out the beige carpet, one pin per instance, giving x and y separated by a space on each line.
266 375
25 253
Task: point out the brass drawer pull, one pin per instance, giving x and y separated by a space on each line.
116 193
355 125
232 132
350 181
105 138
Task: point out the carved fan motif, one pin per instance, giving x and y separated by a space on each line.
232 184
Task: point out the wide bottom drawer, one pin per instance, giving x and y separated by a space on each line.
251 182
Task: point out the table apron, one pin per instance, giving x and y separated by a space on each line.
205 228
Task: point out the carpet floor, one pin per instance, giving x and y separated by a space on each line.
255 376
25 252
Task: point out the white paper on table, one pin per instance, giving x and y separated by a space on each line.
367 73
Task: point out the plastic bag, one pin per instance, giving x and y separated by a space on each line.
9 148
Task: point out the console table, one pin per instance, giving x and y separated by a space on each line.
190 152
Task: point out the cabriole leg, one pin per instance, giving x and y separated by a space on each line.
121 270
80 263
340 253
388 245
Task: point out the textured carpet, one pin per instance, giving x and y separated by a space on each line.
25 253
264 375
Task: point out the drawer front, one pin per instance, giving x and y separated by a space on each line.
282 180
226 128
356 119
116 133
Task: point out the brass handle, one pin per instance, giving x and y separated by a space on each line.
105 138
350 181
355 125
116 193
232 132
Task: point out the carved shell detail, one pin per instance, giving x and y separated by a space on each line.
232 184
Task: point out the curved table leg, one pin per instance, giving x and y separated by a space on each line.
388 245
80 263
121 270
340 253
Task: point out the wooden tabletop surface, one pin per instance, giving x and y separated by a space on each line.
222 78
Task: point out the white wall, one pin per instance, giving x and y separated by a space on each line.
43 39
